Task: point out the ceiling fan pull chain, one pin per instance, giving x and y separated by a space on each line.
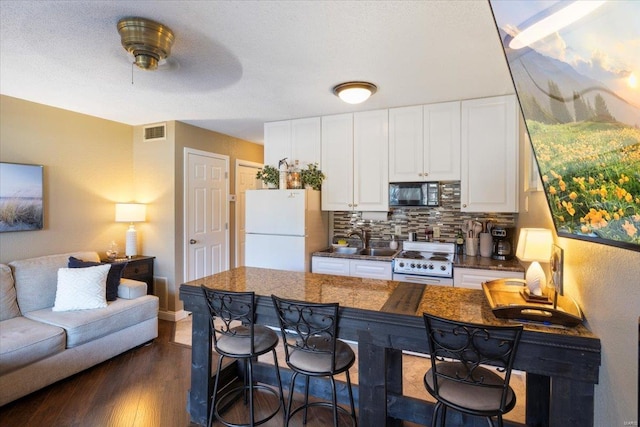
132 64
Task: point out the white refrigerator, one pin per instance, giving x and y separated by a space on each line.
283 228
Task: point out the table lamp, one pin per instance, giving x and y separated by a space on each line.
534 245
131 212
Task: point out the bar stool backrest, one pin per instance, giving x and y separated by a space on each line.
234 312
308 327
472 345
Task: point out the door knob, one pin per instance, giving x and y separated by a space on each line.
193 241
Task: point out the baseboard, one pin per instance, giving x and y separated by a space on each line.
172 316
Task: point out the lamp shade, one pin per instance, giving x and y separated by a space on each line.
130 212
534 244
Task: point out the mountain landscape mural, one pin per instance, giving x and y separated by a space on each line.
579 93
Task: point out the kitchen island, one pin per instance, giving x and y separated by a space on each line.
385 318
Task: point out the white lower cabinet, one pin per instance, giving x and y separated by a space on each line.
352 267
370 269
472 278
326 265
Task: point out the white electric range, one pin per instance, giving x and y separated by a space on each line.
430 263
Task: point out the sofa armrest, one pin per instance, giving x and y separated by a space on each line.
131 289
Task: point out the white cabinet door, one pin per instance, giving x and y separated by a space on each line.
424 143
489 174
327 265
337 162
371 161
305 141
277 142
370 269
472 278
406 144
352 267
294 140
442 142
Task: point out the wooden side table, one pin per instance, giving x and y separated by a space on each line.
139 267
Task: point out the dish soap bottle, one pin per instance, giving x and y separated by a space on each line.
393 244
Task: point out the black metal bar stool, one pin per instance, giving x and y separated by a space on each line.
236 335
456 378
312 349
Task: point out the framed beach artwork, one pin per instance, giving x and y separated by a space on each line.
21 202
575 67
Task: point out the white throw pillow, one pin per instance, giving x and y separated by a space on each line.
81 288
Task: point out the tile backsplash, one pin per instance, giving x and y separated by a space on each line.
447 217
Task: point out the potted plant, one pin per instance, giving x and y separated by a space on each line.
312 176
269 175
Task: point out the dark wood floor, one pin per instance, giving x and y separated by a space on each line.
144 387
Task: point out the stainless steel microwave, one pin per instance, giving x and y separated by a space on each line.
414 194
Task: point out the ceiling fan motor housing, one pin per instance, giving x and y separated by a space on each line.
147 40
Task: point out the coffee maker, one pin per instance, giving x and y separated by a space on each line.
502 243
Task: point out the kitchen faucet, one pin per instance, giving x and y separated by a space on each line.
362 234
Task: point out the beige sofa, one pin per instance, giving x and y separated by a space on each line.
39 346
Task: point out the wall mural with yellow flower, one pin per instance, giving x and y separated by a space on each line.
575 67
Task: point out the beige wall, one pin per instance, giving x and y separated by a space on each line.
605 281
88 166
159 181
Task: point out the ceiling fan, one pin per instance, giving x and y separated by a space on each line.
148 41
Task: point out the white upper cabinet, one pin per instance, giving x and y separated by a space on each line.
294 140
337 158
371 160
355 161
406 144
277 142
489 174
442 141
424 143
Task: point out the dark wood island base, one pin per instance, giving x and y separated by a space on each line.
385 318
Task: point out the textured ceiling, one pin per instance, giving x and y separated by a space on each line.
237 64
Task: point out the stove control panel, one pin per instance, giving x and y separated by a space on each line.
423 267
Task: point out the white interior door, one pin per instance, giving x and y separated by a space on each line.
206 214
245 180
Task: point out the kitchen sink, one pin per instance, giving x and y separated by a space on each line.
345 250
378 252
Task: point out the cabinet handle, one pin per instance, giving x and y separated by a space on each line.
464 205
426 174
420 174
192 242
350 205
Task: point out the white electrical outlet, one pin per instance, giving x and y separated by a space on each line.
397 229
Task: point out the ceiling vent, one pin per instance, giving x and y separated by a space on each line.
155 132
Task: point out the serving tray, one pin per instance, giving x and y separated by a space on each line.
507 300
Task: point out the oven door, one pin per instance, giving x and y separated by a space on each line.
425 280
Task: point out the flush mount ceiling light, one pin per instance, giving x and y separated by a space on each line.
355 92
148 41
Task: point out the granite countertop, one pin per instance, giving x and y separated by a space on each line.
463 261
467 305
460 261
